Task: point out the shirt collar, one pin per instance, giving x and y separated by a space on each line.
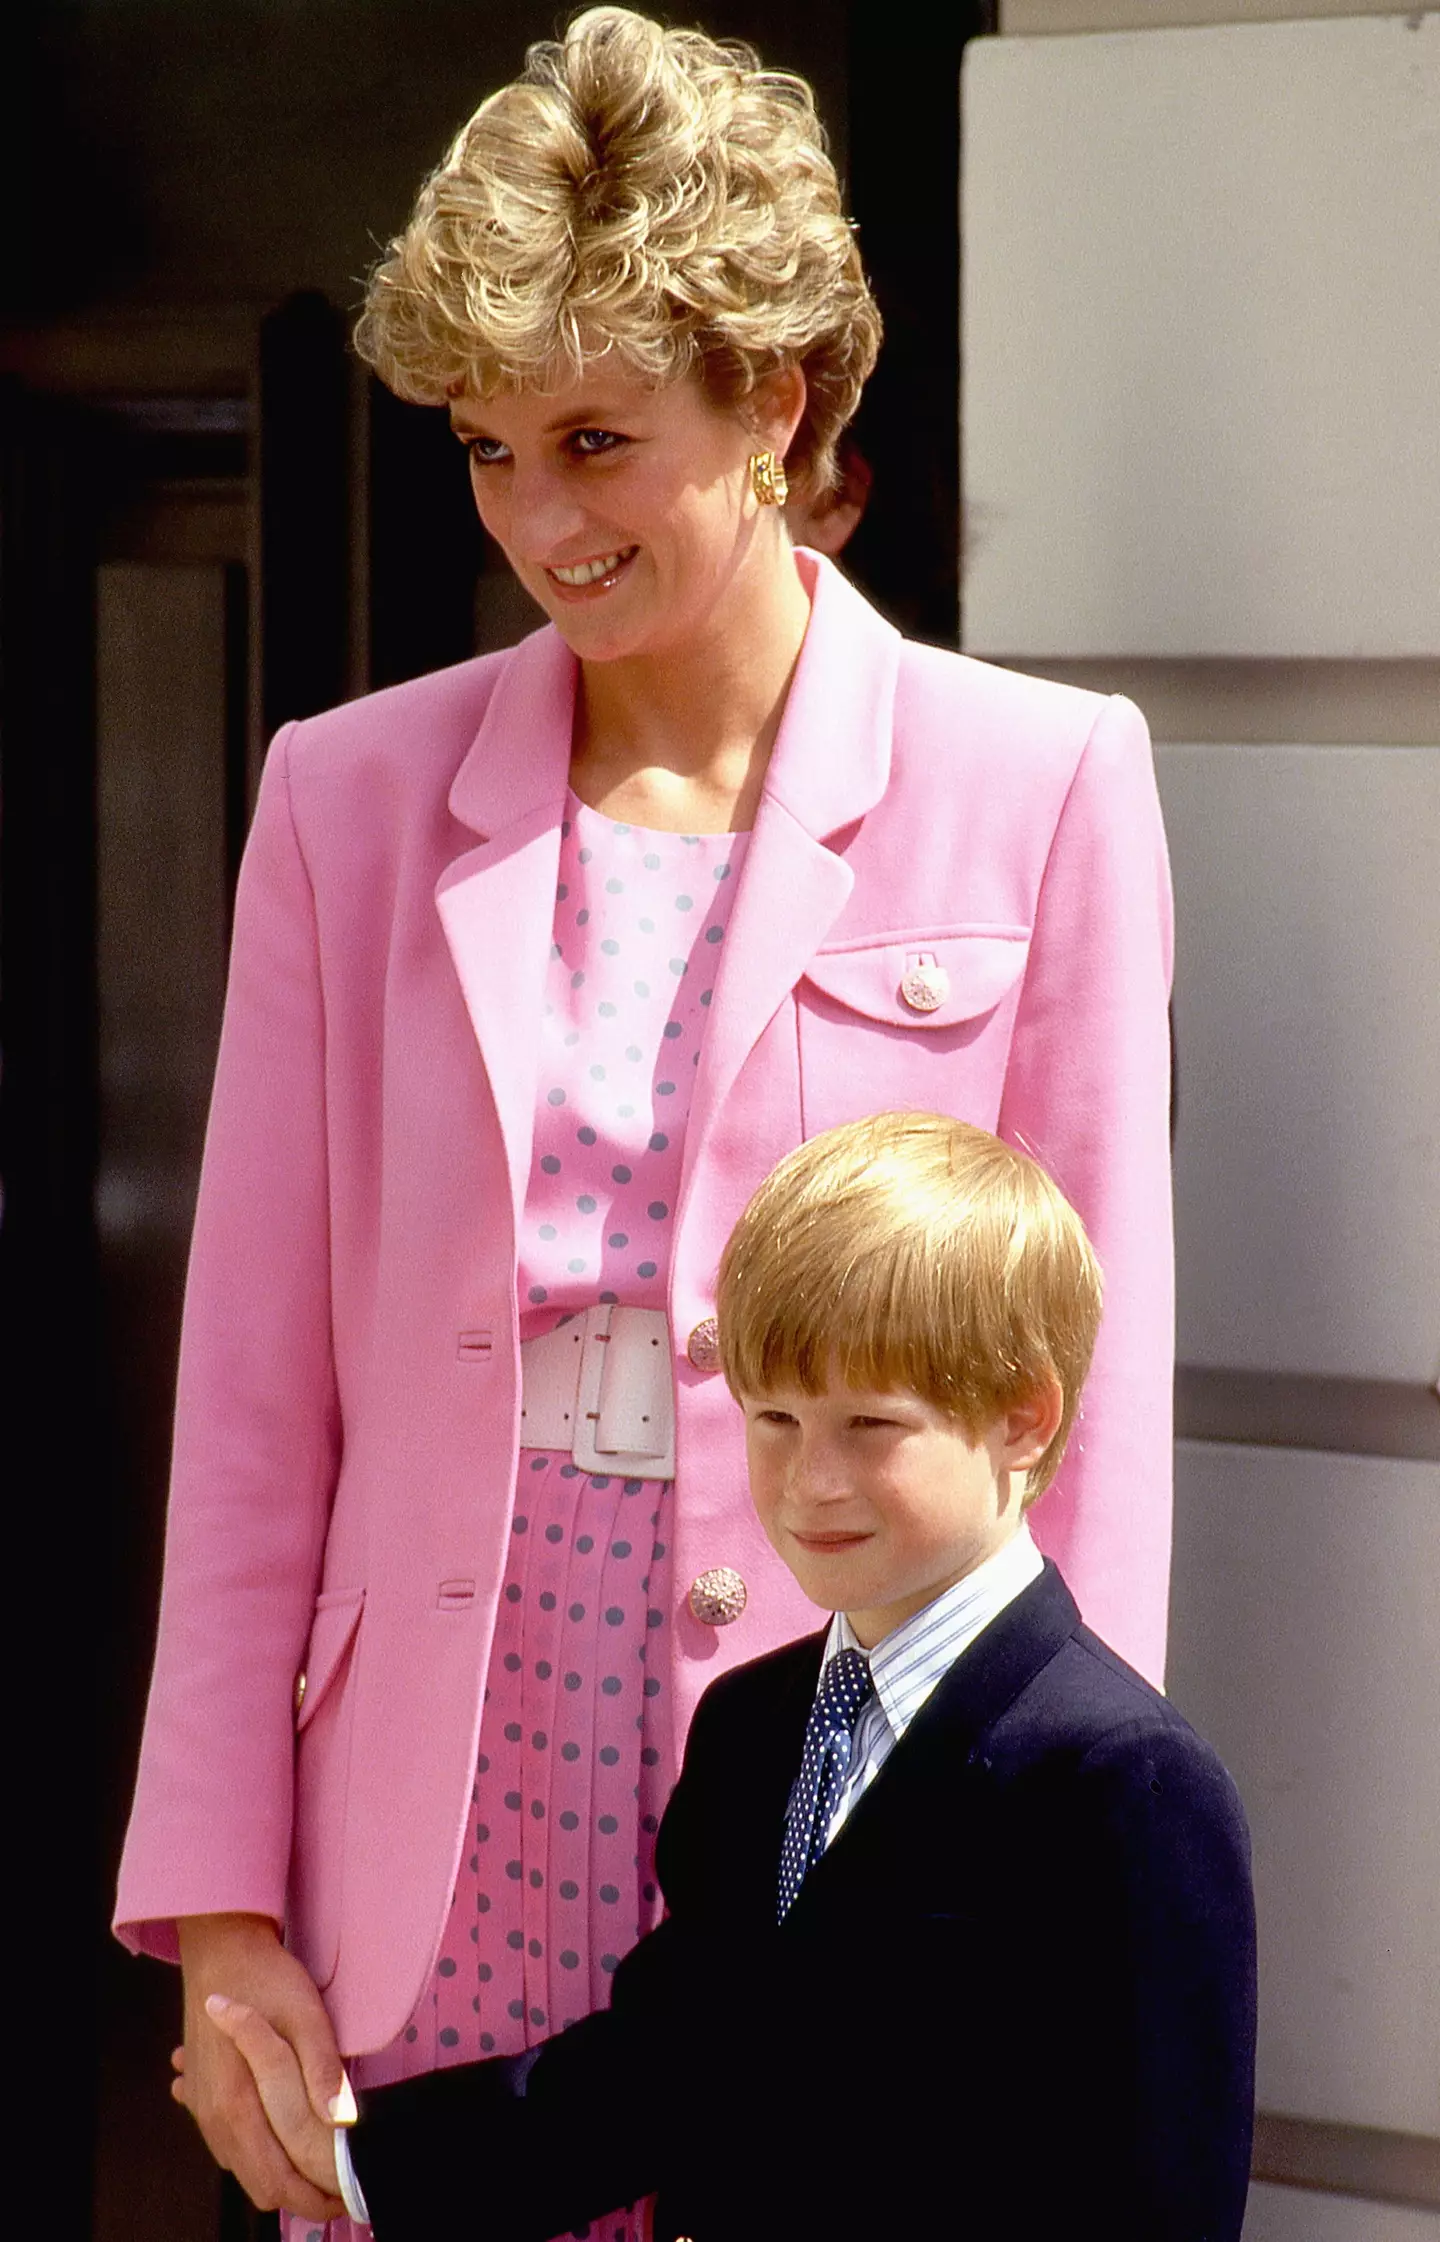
906 1664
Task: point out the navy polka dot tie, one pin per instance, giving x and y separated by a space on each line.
829 1734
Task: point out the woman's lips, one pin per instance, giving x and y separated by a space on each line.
591 578
823 1544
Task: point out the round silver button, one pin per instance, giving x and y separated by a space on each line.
924 987
718 1596
703 1345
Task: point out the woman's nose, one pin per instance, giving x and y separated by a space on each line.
541 516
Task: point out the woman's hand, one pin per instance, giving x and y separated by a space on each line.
240 1957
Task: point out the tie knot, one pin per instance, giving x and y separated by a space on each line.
844 1686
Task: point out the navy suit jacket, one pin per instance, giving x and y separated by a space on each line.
1015 1999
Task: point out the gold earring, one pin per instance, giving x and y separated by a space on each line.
767 479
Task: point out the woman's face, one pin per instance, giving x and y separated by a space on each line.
627 510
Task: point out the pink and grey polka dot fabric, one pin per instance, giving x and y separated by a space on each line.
576 1758
639 927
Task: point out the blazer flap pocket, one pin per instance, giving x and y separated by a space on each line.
337 1615
926 979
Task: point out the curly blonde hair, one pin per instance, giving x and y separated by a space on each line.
640 192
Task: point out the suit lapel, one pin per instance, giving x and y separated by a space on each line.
497 901
888 1820
830 764
774 1756
720 1841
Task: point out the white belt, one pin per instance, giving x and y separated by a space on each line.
602 1385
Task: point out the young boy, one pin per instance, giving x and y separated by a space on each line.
960 1935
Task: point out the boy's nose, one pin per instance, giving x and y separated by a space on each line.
819 1474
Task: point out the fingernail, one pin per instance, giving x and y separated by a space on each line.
216 2004
342 2105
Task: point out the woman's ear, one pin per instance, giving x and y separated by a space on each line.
775 407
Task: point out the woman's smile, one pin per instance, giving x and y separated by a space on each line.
587 578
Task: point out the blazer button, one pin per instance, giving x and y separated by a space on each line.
301 1684
924 985
718 1596
703 1345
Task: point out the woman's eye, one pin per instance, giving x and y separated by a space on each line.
485 450
591 442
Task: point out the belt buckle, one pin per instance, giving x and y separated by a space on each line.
625 1410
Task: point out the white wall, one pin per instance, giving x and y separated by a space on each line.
1018 17
1201 338
1304 1647
1148 510
1284 2214
1307 1021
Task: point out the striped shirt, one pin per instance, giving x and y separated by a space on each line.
906 1664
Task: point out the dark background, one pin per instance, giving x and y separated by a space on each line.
194 194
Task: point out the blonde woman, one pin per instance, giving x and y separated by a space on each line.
540 964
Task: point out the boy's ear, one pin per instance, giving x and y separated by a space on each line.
1028 1427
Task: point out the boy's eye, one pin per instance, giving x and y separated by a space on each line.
774 1417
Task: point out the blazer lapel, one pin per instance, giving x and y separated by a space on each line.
830 765
497 901
773 1756
918 1778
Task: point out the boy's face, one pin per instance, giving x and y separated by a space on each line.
879 1501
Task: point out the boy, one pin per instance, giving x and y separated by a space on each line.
960 1936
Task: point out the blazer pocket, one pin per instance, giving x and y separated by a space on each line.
924 981
332 1631
918 1019
324 1721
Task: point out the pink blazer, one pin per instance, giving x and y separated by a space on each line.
346 1432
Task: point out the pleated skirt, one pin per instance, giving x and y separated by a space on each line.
576 1761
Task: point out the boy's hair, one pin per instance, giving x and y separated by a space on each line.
912 1250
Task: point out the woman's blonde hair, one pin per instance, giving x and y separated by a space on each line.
649 194
910 1250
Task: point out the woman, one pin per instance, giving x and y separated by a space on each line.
540 964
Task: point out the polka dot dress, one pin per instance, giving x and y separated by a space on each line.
639 922
576 1754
